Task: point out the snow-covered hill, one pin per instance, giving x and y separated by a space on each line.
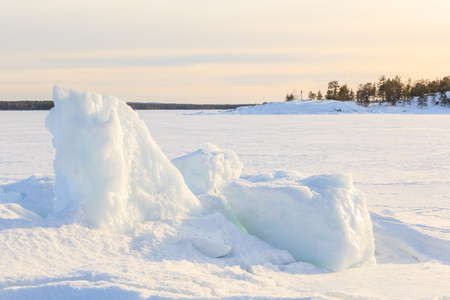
335 107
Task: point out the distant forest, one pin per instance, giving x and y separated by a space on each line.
390 91
47 105
26 105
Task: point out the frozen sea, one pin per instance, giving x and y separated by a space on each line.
401 163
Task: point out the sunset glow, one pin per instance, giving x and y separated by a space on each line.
204 51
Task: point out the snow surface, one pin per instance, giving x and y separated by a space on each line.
400 162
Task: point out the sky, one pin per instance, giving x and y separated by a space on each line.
216 51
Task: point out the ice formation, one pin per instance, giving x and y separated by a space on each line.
207 170
321 219
109 172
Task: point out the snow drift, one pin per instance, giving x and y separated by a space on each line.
109 172
36 193
15 211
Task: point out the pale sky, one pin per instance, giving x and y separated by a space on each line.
216 51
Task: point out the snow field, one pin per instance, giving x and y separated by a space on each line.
54 258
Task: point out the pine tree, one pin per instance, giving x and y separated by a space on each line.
312 96
352 95
382 88
319 95
444 99
344 93
444 87
422 100
332 92
290 97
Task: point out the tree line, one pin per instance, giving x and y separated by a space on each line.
390 91
26 105
146 106
47 105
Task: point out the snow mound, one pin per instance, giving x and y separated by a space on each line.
34 193
208 169
210 248
109 173
321 219
211 238
300 107
15 211
267 176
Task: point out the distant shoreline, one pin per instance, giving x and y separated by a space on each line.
47 105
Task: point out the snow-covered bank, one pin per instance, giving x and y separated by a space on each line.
338 107
165 258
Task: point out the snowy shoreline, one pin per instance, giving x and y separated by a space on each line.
338 107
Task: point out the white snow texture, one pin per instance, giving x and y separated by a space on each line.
186 247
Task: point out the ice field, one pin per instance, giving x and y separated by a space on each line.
396 167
